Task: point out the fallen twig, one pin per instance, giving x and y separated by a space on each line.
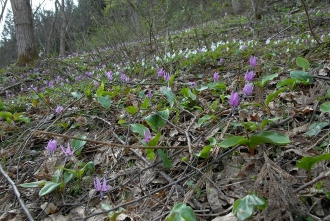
18 195
319 177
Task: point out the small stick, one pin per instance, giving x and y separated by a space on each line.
18 195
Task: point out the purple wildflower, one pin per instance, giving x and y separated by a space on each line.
88 73
101 187
249 75
253 61
109 75
147 136
216 76
149 94
96 83
322 38
242 48
59 109
51 147
160 72
234 99
221 61
67 152
192 83
167 76
248 88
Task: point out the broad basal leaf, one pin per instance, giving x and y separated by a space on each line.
233 141
77 145
307 163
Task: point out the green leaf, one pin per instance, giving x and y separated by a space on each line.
132 109
181 212
201 87
217 86
155 121
268 137
325 107
166 161
150 154
67 176
48 188
77 145
138 128
233 141
167 91
204 153
273 95
251 126
5 114
89 167
307 163
105 101
302 77
243 208
265 79
203 119
154 140
315 128
289 81
100 90
212 141
57 175
145 103
33 184
302 62
186 92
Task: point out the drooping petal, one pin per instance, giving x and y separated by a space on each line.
97 184
234 99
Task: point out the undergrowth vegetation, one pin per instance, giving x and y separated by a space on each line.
228 119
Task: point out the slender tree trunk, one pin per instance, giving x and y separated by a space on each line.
51 31
26 48
237 5
63 30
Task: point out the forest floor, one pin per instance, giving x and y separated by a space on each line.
201 154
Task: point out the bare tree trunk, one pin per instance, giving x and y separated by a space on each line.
63 30
26 48
256 9
237 5
51 31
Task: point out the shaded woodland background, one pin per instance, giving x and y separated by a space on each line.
92 25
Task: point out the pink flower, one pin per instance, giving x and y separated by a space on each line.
160 72
147 136
167 77
149 94
192 84
58 109
234 99
101 187
249 75
253 61
242 48
51 147
216 76
248 88
109 75
67 152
